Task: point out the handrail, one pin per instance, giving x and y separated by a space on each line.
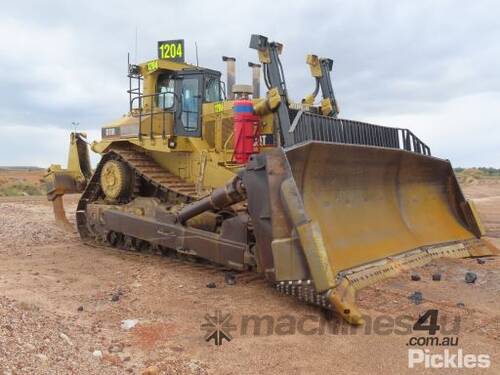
224 148
152 112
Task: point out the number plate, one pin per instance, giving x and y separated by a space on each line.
172 50
152 65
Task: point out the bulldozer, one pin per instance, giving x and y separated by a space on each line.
318 205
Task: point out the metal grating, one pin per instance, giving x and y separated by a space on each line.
227 130
210 128
209 133
308 126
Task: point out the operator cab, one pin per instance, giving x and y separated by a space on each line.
172 92
195 87
182 94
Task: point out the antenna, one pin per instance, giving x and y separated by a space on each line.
75 125
196 48
136 43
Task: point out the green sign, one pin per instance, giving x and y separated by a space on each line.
172 50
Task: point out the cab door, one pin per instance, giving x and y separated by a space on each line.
189 90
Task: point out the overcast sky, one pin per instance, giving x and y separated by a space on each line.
431 66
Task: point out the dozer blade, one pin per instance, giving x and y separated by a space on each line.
371 202
358 214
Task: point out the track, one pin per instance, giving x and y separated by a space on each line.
189 264
169 188
166 186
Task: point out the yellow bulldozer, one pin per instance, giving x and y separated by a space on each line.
320 206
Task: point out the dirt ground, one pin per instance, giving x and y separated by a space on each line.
62 305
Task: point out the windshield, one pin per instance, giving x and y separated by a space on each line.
212 90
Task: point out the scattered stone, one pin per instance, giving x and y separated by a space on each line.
461 305
415 276
79 309
416 297
115 297
42 357
126 359
436 276
112 358
211 285
230 278
481 261
177 349
129 323
136 284
116 348
152 370
29 346
470 277
194 366
66 338
97 354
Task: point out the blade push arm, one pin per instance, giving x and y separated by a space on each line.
320 70
275 81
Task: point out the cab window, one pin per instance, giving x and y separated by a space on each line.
165 89
212 90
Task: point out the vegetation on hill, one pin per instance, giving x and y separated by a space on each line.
26 169
472 175
481 171
21 181
21 188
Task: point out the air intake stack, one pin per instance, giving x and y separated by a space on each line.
231 75
255 79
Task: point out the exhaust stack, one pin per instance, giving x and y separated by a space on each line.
231 75
255 79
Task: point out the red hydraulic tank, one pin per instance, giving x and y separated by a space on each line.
246 126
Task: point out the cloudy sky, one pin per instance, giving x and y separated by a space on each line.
431 66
